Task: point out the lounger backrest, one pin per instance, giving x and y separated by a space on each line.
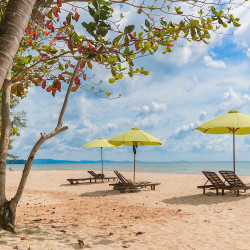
214 178
229 177
94 174
121 178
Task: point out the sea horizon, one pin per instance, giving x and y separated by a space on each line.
181 167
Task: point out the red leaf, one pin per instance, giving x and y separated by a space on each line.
51 27
77 16
170 45
30 42
91 47
84 76
53 91
55 12
70 45
74 89
82 65
48 23
59 3
79 47
49 88
77 81
137 45
44 84
60 37
59 85
131 36
61 77
53 52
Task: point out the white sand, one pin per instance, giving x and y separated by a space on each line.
55 215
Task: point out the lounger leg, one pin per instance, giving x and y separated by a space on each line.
223 191
238 192
217 192
204 190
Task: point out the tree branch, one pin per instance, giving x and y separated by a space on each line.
45 137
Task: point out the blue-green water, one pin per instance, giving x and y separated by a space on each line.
242 168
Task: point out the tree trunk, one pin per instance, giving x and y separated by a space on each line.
12 27
8 215
7 208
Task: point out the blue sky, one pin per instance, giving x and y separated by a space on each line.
192 85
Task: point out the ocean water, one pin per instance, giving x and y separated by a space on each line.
242 168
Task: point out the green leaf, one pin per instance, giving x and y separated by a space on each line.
236 24
129 29
27 59
91 11
61 67
112 80
147 23
50 16
95 4
117 39
89 64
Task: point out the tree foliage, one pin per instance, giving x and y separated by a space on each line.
56 38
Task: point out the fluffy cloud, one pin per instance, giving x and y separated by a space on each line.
232 99
208 60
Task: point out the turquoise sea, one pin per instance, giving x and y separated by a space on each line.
242 168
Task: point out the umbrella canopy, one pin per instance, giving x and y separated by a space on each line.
135 137
101 142
231 123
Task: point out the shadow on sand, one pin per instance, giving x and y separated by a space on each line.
81 184
207 199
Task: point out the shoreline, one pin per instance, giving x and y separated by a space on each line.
54 215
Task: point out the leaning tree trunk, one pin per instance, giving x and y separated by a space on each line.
12 27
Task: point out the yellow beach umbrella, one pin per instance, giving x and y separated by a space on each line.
99 143
233 123
135 137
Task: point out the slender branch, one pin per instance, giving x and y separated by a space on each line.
45 137
72 80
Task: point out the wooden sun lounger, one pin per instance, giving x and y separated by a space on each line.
94 178
216 183
77 181
233 180
124 183
101 176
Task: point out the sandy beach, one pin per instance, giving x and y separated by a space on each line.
55 215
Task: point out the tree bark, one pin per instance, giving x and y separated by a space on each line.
7 208
5 135
12 27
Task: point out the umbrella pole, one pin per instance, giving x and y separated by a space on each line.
134 167
102 160
234 155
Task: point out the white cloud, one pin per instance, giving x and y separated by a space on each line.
248 52
208 60
232 99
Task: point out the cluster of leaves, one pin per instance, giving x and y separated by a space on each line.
52 45
18 121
